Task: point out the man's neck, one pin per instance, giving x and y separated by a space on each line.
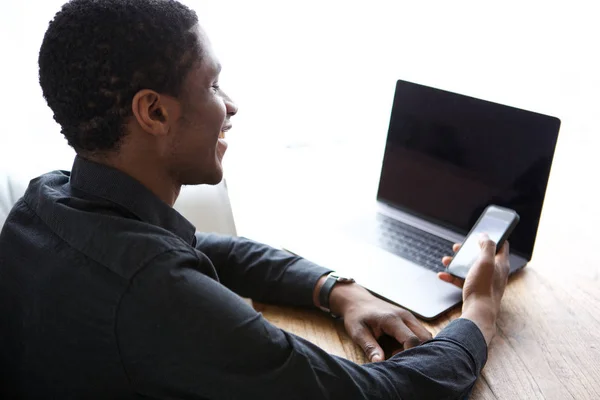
147 173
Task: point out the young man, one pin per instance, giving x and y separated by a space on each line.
107 292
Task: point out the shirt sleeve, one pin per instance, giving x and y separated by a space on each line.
182 335
260 272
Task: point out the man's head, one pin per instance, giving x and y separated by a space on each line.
137 79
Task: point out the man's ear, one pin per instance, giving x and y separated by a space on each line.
151 110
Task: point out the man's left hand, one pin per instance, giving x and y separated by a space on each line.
368 319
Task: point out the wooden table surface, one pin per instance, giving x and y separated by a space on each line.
548 341
547 344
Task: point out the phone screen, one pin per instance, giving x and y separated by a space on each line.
470 250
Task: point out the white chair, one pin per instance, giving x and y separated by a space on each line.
11 190
207 207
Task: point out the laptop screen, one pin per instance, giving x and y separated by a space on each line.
448 156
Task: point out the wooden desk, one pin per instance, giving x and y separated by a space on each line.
547 346
548 341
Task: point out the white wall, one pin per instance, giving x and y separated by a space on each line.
322 73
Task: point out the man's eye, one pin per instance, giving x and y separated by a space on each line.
216 87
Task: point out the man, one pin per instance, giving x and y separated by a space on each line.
107 292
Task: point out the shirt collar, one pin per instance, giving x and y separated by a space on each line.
116 186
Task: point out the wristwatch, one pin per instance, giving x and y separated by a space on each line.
331 280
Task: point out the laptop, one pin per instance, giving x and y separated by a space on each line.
447 157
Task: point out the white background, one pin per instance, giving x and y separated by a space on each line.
314 81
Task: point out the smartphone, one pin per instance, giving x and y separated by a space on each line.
498 223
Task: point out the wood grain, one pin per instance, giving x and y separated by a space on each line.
547 346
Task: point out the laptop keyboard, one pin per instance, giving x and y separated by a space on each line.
412 243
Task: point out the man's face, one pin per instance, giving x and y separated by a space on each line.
196 150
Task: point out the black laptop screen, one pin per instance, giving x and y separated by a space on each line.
448 156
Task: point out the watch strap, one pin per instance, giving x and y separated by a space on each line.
325 292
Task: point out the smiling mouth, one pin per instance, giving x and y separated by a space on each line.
223 131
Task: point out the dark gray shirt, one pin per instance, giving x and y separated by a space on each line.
107 292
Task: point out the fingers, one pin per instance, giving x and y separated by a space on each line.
447 259
504 252
446 277
455 247
362 336
503 259
414 325
399 330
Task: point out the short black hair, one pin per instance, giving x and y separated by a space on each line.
97 54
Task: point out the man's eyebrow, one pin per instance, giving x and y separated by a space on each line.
218 68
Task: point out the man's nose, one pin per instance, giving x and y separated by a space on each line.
231 107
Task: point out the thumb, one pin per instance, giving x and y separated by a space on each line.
483 270
488 249
362 336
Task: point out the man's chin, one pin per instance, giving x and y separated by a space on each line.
215 180
214 177
217 175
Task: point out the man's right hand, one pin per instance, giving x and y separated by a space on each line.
484 286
